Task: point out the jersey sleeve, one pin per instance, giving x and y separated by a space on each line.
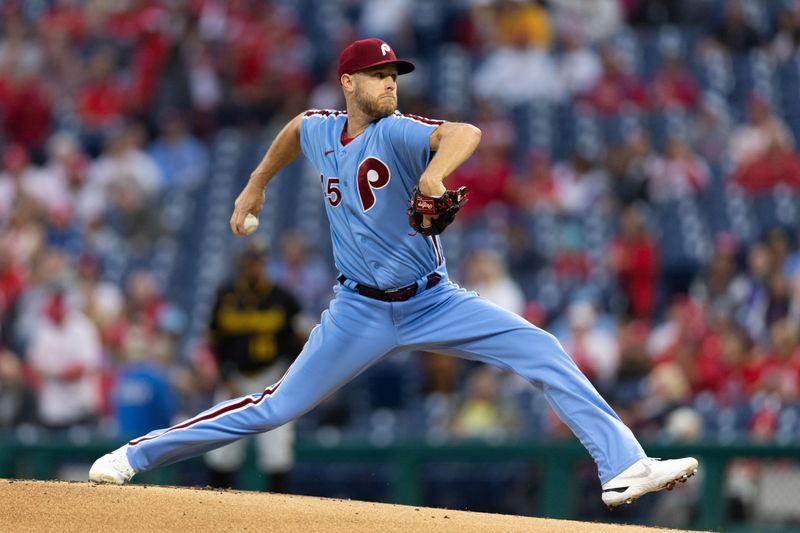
410 136
309 136
315 131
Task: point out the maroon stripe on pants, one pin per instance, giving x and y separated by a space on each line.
244 402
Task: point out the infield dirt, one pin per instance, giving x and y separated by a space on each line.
85 507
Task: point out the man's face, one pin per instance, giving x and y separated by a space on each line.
375 90
252 269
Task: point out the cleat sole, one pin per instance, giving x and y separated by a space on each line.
669 485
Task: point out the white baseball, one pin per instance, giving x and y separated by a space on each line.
250 223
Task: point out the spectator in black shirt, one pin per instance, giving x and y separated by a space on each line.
736 33
254 338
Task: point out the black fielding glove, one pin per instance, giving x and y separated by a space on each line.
442 210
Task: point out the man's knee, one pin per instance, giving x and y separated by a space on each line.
541 340
274 416
543 353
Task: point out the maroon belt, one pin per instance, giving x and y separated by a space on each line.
394 295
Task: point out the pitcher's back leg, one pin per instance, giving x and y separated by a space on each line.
468 326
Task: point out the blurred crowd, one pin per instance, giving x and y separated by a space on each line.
109 112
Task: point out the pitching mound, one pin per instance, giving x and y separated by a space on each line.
82 507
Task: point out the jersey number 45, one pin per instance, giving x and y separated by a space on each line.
372 174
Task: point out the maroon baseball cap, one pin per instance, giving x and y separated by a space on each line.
366 53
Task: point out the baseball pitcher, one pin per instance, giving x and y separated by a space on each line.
382 178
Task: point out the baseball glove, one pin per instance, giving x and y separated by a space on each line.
442 210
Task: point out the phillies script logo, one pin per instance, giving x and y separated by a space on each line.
385 49
372 174
423 204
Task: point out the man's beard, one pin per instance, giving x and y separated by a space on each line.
375 107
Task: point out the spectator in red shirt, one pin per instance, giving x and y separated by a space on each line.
487 177
770 169
634 258
488 172
25 109
674 85
64 16
101 103
249 50
535 189
762 150
616 86
708 361
743 366
149 59
12 283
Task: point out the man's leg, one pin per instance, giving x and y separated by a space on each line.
224 463
451 320
465 325
275 453
353 334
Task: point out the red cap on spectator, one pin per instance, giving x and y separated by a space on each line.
366 53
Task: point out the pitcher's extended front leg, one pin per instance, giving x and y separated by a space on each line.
353 334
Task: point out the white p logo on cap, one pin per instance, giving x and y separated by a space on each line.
385 49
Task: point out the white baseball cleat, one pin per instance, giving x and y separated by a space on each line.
112 468
647 475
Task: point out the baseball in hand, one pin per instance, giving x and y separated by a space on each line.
250 223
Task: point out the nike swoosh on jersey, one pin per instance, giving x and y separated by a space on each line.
328 152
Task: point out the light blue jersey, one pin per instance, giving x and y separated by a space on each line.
367 185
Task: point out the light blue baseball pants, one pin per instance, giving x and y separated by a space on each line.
357 332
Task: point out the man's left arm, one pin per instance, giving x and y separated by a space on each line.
453 143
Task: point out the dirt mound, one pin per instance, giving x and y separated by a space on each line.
81 507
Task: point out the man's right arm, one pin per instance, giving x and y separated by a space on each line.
284 149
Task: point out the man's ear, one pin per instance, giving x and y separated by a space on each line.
348 83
